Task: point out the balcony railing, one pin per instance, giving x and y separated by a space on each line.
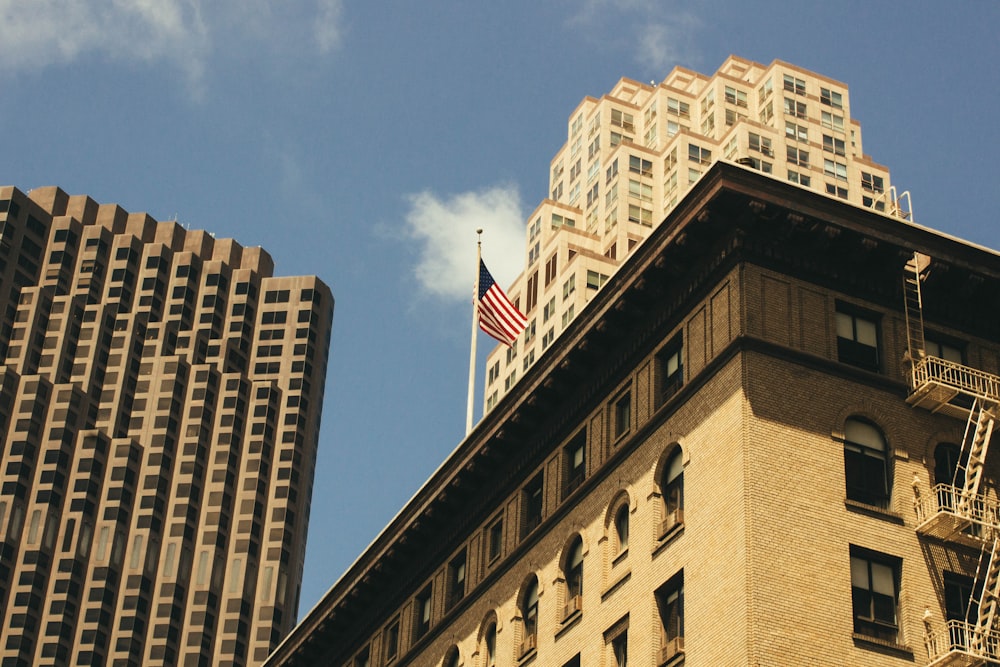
949 513
957 644
937 382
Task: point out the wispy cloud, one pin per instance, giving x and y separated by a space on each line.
444 229
660 34
328 27
41 33
183 33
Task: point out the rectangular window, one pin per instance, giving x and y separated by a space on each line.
699 154
575 462
794 85
801 179
678 108
456 579
872 183
670 608
875 593
835 169
548 337
391 639
638 165
858 340
595 280
796 132
735 96
422 613
495 539
831 98
760 144
834 145
670 370
531 292
795 108
622 415
616 640
947 351
836 190
622 120
531 503
797 156
832 121
569 287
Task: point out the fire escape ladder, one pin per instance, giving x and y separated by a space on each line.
913 305
982 641
978 430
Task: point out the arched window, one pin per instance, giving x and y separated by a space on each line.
672 488
529 616
490 645
866 463
621 527
451 658
573 571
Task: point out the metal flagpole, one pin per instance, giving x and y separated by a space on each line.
475 322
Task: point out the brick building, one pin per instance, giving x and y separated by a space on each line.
160 399
763 442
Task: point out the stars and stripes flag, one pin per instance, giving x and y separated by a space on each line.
497 315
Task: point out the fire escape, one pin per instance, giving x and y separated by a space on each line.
957 512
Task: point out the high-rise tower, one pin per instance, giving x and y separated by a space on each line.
630 157
160 399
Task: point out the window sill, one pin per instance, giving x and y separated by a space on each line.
569 622
901 650
873 511
620 558
668 537
616 584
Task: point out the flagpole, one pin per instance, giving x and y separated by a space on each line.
475 318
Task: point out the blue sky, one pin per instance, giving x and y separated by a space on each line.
365 141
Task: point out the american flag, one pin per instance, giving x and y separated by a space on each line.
497 315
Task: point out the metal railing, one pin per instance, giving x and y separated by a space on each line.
958 644
968 380
952 500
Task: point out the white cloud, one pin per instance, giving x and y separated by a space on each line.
47 32
661 46
327 27
661 34
35 34
445 233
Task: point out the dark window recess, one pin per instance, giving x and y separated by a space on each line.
531 502
456 579
575 457
858 341
422 613
875 594
670 370
865 464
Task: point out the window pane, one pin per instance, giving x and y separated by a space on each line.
882 579
867 333
845 326
859 572
864 434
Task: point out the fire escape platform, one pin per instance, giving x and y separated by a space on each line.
950 388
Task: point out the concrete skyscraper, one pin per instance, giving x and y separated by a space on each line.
160 399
